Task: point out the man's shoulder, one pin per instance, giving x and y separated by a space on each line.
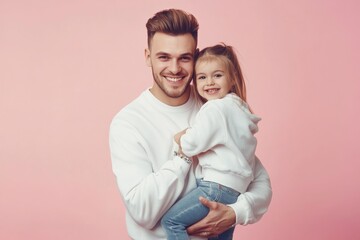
130 110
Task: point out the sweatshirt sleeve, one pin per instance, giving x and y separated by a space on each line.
147 194
208 130
253 204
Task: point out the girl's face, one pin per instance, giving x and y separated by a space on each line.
212 79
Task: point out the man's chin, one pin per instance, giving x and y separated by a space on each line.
176 93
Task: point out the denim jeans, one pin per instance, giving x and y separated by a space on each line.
189 209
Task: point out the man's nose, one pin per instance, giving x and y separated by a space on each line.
174 66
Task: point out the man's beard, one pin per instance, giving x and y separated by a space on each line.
172 93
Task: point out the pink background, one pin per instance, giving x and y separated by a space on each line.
66 67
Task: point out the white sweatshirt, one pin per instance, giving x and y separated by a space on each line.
150 179
223 138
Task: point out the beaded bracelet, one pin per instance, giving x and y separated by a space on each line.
185 158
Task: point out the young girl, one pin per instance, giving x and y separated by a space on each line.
222 137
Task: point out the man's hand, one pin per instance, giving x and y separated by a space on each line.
177 138
179 135
219 219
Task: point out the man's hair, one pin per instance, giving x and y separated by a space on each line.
172 22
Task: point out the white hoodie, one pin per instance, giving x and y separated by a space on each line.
223 138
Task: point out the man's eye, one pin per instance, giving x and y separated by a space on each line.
185 59
163 57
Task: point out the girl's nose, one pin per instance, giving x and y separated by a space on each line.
210 81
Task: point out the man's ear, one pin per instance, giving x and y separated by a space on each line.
196 53
147 57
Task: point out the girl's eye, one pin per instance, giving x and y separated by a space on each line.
218 75
201 78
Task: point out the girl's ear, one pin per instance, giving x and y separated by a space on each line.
147 57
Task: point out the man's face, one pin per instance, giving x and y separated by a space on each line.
172 61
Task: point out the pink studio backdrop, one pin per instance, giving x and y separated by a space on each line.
66 67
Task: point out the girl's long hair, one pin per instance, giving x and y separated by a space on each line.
227 55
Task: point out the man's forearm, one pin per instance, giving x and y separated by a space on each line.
253 204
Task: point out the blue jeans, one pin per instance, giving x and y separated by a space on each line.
189 209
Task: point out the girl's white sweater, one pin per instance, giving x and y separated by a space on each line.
223 138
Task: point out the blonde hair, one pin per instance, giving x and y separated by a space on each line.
173 22
227 55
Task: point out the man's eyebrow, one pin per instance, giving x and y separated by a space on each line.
181 55
161 53
187 55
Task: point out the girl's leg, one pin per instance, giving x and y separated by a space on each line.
189 210
226 196
184 213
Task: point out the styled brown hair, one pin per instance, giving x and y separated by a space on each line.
227 55
173 22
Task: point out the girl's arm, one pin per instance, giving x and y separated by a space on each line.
208 130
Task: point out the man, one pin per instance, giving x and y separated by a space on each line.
149 177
